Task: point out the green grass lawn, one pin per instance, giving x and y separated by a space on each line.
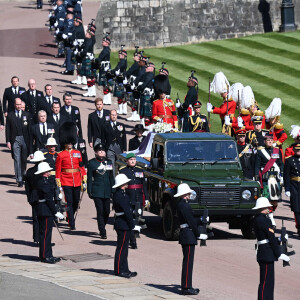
269 63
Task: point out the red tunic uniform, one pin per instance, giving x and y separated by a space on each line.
279 136
246 119
164 109
289 151
68 168
222 110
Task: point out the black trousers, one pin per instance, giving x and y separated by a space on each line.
35 224
72 196
121 255
297 219
103 209
266 282
187 266
46 224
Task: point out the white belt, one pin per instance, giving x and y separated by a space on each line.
103 63
262 242
61 19
119 214
184 225
42 200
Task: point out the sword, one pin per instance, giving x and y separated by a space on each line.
76 213
58 230
209 101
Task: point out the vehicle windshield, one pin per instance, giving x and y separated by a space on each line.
201 151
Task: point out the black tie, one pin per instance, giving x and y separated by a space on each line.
56 118
15 91
19 114
115 126
44 129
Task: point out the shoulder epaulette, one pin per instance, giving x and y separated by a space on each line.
122 167
45 153
156 100
138 167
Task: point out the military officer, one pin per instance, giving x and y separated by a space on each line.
70 172
291 176
256 137
46 211
136 141
268 249
295 134
188 236
246 154
100 180
198 122
137 189
123 225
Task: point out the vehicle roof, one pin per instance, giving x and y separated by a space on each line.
162 137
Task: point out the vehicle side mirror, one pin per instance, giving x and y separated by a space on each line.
154 163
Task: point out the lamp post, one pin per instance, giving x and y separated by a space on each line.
287 16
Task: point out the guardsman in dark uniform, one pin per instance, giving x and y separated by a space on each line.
190 98
291 175
103 60
60 14
198 122
136 141
164 72
123 225
188 236
70 172
268 171
46 212
256 137
268 248
137 189
81 146
295 134
100 180
30 185
246 154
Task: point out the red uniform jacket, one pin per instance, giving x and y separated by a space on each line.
69 160
289 151
279 136
164 109
222 110
246 119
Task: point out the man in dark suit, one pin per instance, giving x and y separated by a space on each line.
9 95
18 139
71 112
49 99
96 121
114 137
42 131
33 100
57 119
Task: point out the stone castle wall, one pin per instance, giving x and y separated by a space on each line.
156 23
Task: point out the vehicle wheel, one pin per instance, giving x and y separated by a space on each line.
170 223
248 231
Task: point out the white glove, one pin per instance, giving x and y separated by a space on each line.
240 122
207 219
54 7
64 36
140 83
84 187
227 120
285 236
281 180
139 211
125 81
288 193
284 257
59 215
75 43
147 203
209 107
75 52
275 145
132 86
50 14
57 31
202 236
106 68
60 196
56 24
117 72
178 104
137 228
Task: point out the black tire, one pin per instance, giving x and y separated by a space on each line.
248 231
170 223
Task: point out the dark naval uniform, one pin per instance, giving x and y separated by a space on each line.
247 159
256 138
198 123
51 159
136 191
100 180
268 251
188 239
190 98
123 225
291 176
46 211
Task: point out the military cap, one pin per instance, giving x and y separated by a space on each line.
106 39
130 155
68 133
194 79
99 147
259 113
296 146
241 132
257 119
124 52
197 104
164 71
269 136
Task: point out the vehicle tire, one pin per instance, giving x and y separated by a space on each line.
170 223
248 231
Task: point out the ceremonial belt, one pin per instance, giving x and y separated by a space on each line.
53 172
244 151
262 242
184 225
119 214
295 178
61 19
42 200
70 170
135 186
165 116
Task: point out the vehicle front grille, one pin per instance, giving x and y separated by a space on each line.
219 196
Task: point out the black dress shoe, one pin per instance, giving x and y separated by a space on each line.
72 228
36 244
63 66
125 275
39 7
59 56
20 184
56 259
66 72
190 291
133 274
133 246
103 236
48 260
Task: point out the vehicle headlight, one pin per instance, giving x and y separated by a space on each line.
246 194
193 195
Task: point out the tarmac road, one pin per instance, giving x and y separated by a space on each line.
225 269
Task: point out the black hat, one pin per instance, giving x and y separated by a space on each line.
197 104
257 119
192 77
99 147
138 127
106 38
122 51
269 136
68 133
161 84
296 146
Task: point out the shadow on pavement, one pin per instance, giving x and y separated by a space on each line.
283 218
224 235
9 183
23 257
22 192
43 54
26 7
49 64
78 232
48 45
176 289
18 242
103 242
56 79
100 271
7 175
51 71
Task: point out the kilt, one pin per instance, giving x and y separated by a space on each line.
119 90
146 106
86 68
